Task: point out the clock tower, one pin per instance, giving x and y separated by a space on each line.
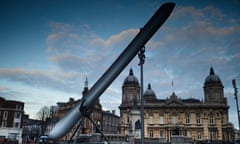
213 89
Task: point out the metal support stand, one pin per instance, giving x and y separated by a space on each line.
236 98
86 114
80 125
98 129
141 56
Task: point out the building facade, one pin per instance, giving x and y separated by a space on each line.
59 111
88 127
202 120
130 106
95 113
110 122
11 116
31 129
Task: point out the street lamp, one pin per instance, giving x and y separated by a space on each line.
141 56
236 98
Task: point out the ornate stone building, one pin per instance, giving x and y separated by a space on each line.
88 128
202 120
129 108
96 115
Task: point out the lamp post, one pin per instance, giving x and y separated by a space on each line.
236 98
141 56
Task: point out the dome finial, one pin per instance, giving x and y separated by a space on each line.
212 78
211 71
131 79
131 71
149 92
149 86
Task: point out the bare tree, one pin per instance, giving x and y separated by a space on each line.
43 114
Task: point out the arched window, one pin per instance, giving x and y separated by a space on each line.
211 120
137 124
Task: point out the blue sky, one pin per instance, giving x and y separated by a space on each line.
48 48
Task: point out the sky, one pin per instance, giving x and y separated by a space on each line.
49 48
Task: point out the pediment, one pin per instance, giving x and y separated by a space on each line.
174 100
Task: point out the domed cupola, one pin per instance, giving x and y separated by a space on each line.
130 89
212 79
131 79
149 94
213 89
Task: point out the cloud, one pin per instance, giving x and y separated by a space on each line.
67 82
84 51
70 62
55 36
183 11
10 93
67 37
191 13
58 26
122 37
198 40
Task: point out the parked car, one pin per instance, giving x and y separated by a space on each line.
43 139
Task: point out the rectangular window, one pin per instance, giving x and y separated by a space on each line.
151 133
4 123
185 133
198 119
212 135
199 136
222 120
187 119
5 115
17 115
161 133
150 120
174 120
16 125
18 107
161 120
188 133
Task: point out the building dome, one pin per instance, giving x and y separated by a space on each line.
131 79
149 93
212 78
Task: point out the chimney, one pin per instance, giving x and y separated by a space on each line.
113 112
